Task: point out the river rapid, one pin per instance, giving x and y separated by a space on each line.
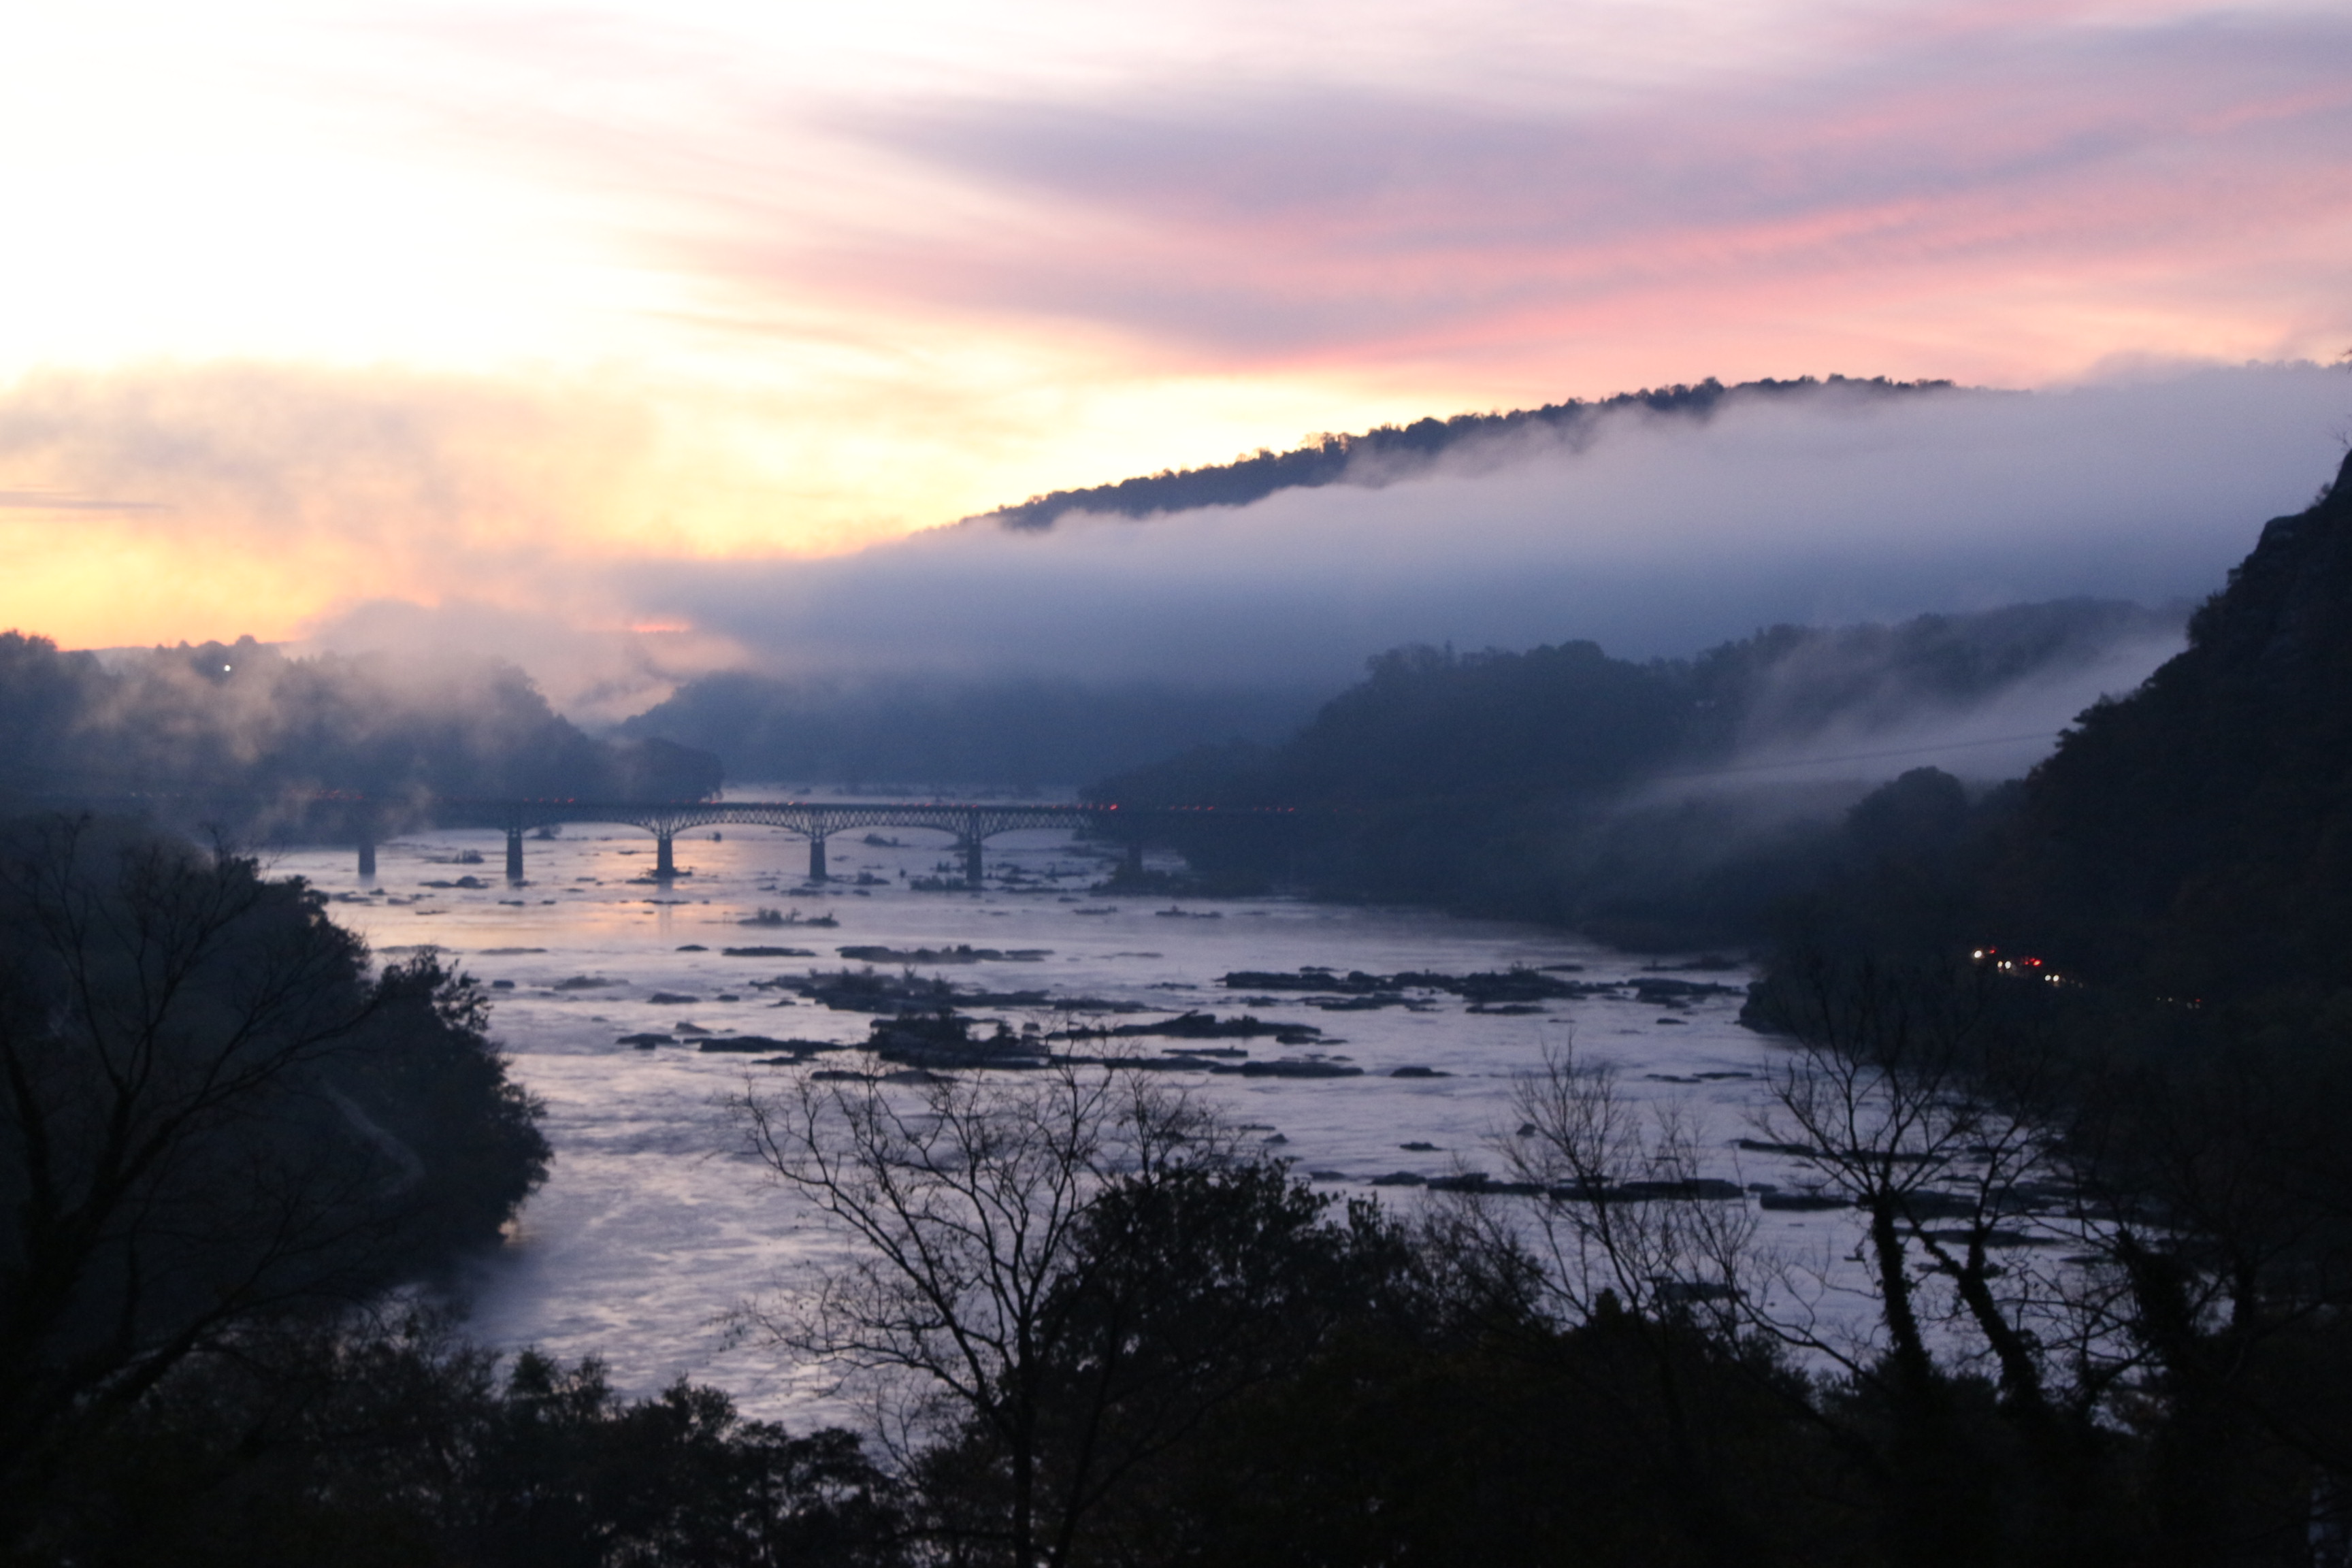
655 1224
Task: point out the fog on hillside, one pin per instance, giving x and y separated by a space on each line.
1650 535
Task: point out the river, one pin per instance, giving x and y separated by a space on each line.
653 1223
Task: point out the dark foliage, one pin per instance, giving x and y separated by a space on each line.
1280 1386
1191 1291
2159 911
397 1447
212 1117
1510 783
1522 1442
2195 837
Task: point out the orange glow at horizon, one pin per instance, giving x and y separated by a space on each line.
328 303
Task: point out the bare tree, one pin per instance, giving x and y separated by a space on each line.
1907 1100
969 1200
1620 1209
1917 1119
1631 1239
2214 1190
1930 1097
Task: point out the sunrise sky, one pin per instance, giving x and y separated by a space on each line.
308 304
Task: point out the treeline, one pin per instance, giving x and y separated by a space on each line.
243 720
2195 839
384 1440
1017 733
1512 783
1392 451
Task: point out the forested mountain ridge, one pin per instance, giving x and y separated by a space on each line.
2195 837
1390 451
1505 782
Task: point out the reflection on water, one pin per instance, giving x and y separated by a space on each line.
653 1225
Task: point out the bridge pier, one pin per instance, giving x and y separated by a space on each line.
514 856
665 861
367 856
1133 864
972 867
816 857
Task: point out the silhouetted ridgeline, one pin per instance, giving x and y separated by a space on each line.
2186 853
1012 732
2147 963
244 719
1390 451
1532 784
2195 839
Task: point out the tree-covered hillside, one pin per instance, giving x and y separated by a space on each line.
1392 451
2196 836
1520 782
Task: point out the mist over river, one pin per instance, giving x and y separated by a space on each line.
654 1223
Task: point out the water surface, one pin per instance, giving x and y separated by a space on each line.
654 1222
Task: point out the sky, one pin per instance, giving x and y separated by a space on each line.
596 317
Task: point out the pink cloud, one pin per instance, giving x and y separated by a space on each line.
1992 189
1998 171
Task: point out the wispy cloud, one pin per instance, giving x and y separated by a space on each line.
59 502
1268 223
2003 194
269 492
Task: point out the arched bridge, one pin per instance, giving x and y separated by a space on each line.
971 823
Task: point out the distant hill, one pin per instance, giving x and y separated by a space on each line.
1390 451
1522 784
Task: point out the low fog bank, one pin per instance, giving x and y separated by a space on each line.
978 656
1653 536
247 737
1851 721
593 676
1832 714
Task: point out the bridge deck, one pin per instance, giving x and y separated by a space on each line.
971 823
